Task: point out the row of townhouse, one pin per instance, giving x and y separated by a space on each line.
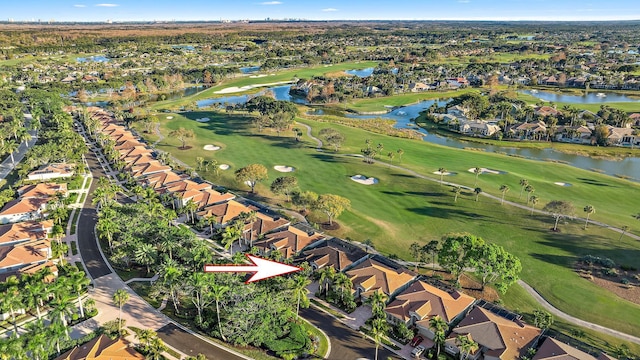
412 299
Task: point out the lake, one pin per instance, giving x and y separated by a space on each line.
97 58
590 98
279 92
249 69
365 72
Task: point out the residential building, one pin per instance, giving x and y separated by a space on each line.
478 128
333 252
103 348
372 275
52 171
420 302
14 257
42 190
553 349
289 241
12 234
224 212
498 338
23 209
263 224
546 111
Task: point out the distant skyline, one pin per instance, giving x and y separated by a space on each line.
166 10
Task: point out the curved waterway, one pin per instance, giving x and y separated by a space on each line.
592 97
404 116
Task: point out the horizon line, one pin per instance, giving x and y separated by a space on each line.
111 21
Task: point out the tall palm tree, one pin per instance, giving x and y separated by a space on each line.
589 209
107 227
342 281
478 191
12 302
35 294
61 308
218 291
155 349
476 171
379 328
439 327
229 236
327 275
146 336
200 291
55 332
442 171
10 147
456 190
503 189
529 189
79 281
377 301
523 184
300 290
624 231
534 200
120 297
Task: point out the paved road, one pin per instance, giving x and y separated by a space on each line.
192 345
346 343
87 244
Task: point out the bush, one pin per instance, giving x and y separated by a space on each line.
610 272
296 341
628 268
602 261
625 281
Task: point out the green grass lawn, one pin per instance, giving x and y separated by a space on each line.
382 103
402 208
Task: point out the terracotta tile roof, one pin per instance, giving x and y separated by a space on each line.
158 180
25 253
546 110
102 348
224 212
553 349
289 241
23 206
24 231
210 197
34 268
184 185
427 301
333 252
135 151
137 160
372 276
263 224
504 339
148 168
41 190
127 144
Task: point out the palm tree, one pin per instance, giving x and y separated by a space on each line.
300 290
218 291
400 152
416 252
106 227
79 281
189 209
439 327
478 191
145 254
11 302
120 297
229 236
61 308
466 346
377 301
56 331
589 209
456 190
379 329
35 294
432 249
10 147
146 336
534 200
529 189
342 281
24 136
441 171
476 171
624 231
523 184
504 189
155 349
327 275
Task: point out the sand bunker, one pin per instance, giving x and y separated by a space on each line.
235 89
283 168
224 167
257 76
211 147
562 184
169 117
364 180
446 173
488 171
203 120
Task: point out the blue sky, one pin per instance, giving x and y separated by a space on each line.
128 10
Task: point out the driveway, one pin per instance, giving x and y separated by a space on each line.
346 343
191 345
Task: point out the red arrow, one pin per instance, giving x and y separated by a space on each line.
262 268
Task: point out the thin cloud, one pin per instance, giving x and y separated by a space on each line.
79 5
329 9
107 5
271 3
464 1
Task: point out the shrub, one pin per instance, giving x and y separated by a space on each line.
628 268
296 341
625 281
602 261
610 272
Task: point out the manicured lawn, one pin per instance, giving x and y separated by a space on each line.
402 208
382 103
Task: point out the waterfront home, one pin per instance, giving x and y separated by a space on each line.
622 136
575 134
635 119
546 111
479 128
528 130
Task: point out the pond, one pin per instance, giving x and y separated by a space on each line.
97 58
249 69
279 92
360 72
593 97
